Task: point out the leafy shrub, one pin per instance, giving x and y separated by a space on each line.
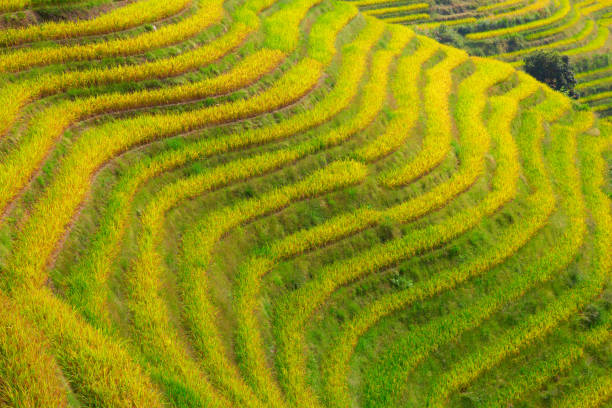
552 69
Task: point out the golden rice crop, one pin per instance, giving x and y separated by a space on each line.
46 127
397 9
95 364
499 5
334 137
550 109
134 14
596 43
96 265
29 377
438 133
555 30
500 123
452 22
596 97
24 58
14 5
540 323
292 315
529 8
15 96
312 192
101 144
406 93
249 347
282 29
558 15
542 370
591 395
569 41
407 18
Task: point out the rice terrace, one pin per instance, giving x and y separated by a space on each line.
305 203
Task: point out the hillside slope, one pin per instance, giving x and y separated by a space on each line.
264 203
512 29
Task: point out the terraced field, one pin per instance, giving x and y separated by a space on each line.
260 203
509 30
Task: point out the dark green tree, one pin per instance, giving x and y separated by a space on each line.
552 69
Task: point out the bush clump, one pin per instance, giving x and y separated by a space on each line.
553 69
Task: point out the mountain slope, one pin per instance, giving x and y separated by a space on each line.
258 203
510 30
